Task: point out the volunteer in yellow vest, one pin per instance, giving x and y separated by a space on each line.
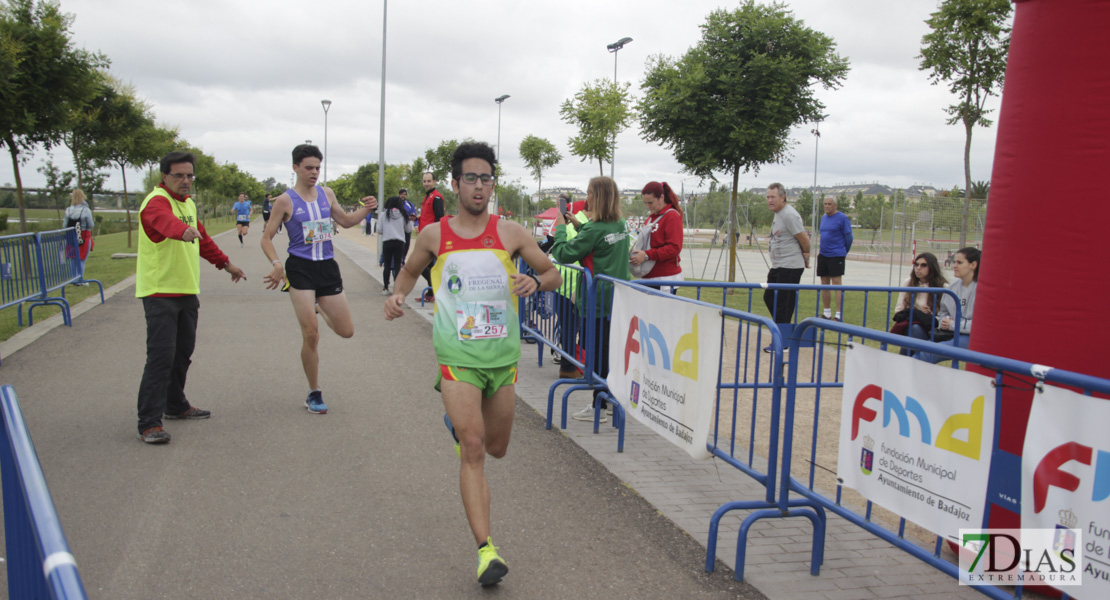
570 321
476 330
171 244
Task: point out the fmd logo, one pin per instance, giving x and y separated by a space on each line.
644 337
1050 472
946 438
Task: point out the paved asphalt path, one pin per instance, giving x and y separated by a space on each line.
265 500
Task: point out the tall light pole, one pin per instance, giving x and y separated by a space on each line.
381 125
614 48
499 100
816 131
326 104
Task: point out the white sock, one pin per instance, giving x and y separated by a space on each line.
828 312
838 314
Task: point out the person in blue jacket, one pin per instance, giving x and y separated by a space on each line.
836 241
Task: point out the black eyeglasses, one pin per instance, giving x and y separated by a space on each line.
473 178
180 176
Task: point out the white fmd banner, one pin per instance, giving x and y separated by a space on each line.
916 438
1065 477
664 356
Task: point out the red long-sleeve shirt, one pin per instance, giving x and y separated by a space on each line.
159 221
666 243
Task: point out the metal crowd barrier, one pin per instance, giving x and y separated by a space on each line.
20 276
61 262
39 562
813 496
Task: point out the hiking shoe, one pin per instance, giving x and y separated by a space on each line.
451 428
192 413
491 569
315 403
556 358
429 297
587 414
155 435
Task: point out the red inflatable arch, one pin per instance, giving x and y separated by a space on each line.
1044 282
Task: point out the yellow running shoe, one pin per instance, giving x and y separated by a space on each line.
491 569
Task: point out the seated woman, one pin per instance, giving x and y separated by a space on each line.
665 222
966 271
926 273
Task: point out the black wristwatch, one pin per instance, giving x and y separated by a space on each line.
533 276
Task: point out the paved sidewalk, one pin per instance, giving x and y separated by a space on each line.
264 500
857 565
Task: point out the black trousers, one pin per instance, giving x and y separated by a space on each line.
780 303
171 335
391 259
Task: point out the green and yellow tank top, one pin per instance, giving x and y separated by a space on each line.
476 322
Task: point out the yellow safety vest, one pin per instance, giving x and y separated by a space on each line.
571 276
170 266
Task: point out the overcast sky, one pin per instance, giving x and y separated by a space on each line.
243 80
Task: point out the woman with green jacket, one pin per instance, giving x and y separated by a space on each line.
601 246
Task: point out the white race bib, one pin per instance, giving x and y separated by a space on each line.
481 320
317 231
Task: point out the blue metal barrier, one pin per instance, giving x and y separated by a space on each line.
20 279
812 496
39 562
66 269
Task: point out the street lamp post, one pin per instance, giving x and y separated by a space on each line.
326 104
500 99
816 131
614 48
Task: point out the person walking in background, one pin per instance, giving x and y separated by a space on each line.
789 249
602 247
394 225
836 242
79 215
431 211
665 223
476 329
167 278
368 229
311 273
410 214
267 206
243 211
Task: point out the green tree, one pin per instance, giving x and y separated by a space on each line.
128 137
980 189
57 184
730 102
41 76
967 49
600 111
538 154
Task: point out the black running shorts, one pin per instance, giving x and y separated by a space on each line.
321 276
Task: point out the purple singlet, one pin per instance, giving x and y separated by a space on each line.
310 227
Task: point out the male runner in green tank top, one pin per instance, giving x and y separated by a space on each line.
476 331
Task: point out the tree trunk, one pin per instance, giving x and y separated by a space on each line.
18 183
732 225
123 170
77 164
967 183
600 167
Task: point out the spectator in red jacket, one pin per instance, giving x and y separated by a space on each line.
666 233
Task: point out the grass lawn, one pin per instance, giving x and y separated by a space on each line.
100 265
809 304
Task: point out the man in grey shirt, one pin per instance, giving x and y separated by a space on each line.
789 254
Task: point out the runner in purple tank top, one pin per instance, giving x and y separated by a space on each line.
310 272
